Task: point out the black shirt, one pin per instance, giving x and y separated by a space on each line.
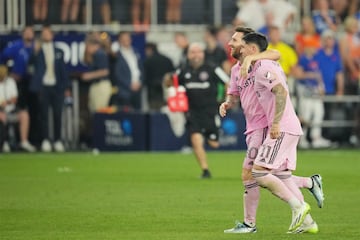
201 86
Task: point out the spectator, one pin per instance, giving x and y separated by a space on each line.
215 54
155 67
8 98
341 8
51 83
19 52
141 13
350 53
307 37
324 17
288 57
100 6
128 73
105 10
330 64
40 11
247 10
69 11
310 88
331 68
97 75
271 12
173 11
182 41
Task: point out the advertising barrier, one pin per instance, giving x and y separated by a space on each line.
159 132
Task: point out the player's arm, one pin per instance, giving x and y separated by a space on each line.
229 103
270 54
280 102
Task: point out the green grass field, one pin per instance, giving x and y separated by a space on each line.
159 196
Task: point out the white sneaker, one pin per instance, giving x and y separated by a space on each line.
307 228
303 144
241 228
27 146
316 189
59 147
6 147
46 146
321 143
298 216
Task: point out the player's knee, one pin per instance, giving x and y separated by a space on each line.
258 173
246 175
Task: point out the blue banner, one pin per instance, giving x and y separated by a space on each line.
120 132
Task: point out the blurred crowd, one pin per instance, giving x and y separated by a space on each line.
322 59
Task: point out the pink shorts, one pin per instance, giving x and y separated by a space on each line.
278 154
253 142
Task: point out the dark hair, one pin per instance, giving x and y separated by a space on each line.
244 30
152 46
212 30
258 39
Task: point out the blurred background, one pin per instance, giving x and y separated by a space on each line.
93 112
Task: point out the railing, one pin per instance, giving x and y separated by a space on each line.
348 123
13 17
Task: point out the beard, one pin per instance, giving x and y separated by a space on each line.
235 53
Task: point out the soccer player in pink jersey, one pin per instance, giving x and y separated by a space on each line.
256 130
276 159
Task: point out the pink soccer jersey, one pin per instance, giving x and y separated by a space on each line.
244 88
268 73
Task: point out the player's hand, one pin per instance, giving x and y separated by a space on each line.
275 131
223 107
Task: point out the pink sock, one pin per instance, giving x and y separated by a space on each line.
285 176
251 201
276 187
302 182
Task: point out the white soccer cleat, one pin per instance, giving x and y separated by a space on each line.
316 189
241 228
298 216
307 228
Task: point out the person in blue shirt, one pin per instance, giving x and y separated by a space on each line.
310 88
330 64
17 55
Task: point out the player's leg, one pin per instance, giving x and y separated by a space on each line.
272 155
252 192
314 185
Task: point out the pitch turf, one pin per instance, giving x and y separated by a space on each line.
159 196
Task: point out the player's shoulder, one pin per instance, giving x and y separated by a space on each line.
265 64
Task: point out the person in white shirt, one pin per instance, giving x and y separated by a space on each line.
8 98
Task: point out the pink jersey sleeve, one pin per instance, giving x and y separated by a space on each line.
268 75
271 74
233 88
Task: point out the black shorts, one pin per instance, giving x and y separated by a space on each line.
23 95
207 124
